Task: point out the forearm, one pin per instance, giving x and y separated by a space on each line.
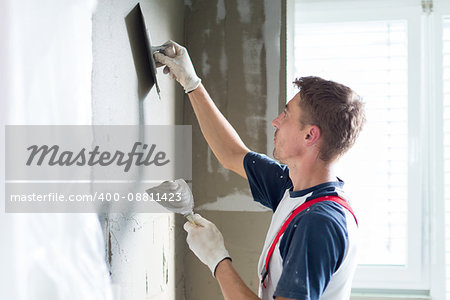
218 132
231 283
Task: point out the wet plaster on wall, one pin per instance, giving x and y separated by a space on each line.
140 248
116 95
225 39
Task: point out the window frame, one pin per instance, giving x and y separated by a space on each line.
422 158
435 75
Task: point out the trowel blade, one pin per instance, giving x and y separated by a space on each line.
150 52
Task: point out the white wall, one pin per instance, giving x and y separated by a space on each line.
46 79
69 62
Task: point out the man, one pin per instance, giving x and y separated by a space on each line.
314 258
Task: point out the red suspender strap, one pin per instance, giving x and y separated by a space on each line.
293 214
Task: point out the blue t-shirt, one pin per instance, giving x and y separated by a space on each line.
314 244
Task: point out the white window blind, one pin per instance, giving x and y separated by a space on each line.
446 93
371 57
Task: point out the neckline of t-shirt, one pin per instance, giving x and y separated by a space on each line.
301 193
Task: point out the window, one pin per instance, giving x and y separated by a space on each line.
446 113
388 52
371 57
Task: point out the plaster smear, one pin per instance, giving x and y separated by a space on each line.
188 3
253 124
220 169
206 67
208 160
251 49
225 173
244 10
234 202
221 11
138 258
223 63
206 33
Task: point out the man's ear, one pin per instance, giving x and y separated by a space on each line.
312 135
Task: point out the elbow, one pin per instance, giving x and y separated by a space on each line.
234 161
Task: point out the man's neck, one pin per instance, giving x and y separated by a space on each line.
306 175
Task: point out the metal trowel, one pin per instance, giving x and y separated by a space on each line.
142 40
143 51
150 51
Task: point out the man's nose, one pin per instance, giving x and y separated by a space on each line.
276 122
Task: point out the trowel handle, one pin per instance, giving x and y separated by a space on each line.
190 218
166 49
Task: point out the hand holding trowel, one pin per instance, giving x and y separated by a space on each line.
185 204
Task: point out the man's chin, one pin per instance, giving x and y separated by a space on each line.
275 156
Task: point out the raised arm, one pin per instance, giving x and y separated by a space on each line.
218 132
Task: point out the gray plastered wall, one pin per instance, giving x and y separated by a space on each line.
225 42
228 41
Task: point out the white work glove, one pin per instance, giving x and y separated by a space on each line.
206 241
179 66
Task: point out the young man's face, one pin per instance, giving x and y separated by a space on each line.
289 134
